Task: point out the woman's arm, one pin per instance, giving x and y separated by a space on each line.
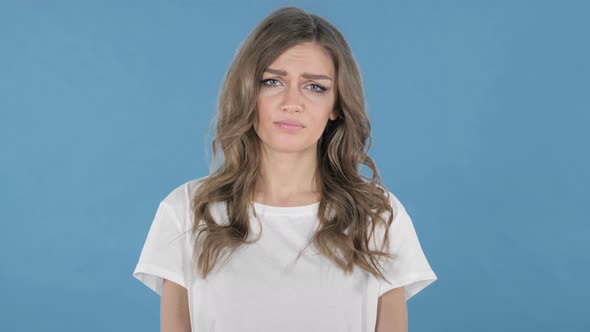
174 314
392 313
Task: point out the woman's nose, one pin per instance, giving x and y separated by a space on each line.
293 100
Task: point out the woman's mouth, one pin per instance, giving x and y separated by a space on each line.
288 127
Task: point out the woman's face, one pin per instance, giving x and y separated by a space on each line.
298 86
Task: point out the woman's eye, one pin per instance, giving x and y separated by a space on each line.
318 88
272 82
269 82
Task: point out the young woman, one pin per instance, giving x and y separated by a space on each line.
286 234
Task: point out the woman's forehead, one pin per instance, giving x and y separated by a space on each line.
309 58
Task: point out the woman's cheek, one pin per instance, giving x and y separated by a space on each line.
269 92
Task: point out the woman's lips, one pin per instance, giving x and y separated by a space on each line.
288 127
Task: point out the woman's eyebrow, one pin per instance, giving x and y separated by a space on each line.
304 75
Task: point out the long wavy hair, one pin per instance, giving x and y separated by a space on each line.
351 205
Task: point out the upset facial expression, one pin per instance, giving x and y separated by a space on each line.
299 86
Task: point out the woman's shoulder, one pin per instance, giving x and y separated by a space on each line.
180 200
182 193
393 200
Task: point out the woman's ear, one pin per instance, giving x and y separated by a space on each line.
333 115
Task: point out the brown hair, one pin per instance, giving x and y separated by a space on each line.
355 201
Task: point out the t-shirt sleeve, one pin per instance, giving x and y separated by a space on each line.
164 253
410 268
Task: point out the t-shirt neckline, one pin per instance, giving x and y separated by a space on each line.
286 210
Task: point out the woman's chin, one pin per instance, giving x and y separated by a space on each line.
288 148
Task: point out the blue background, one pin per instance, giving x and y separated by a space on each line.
479 113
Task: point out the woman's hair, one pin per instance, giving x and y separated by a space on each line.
351 204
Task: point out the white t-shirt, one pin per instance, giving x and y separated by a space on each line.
262 288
